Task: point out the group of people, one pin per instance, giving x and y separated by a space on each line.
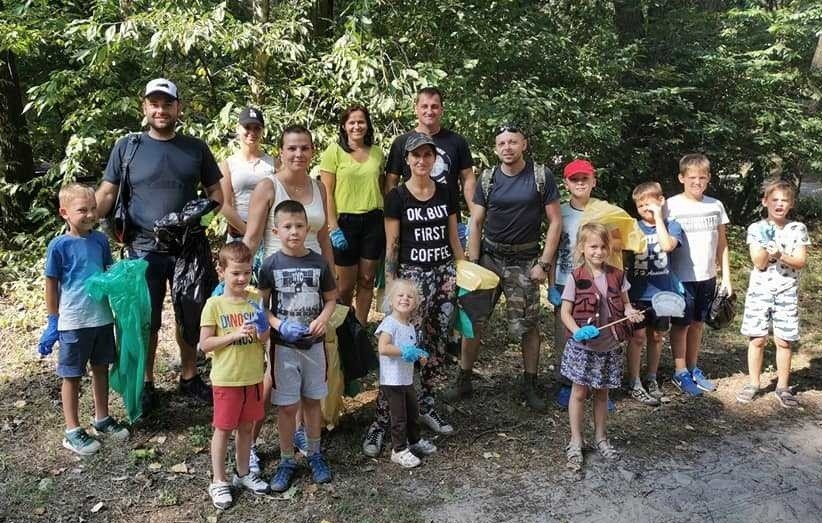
309 244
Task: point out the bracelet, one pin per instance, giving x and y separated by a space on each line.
545 266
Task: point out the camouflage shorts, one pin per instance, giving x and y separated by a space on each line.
521 292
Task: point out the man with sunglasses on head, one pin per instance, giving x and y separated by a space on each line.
165 171
510 202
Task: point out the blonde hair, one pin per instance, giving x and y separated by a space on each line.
236 252
779 184
73 190
393 289
647 190
587 231
694 161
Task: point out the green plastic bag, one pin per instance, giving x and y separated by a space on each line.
124 284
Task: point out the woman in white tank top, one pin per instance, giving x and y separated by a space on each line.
243 170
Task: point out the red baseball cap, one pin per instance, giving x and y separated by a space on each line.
578 167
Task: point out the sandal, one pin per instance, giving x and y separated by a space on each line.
747 394
573 456
786 398
606 450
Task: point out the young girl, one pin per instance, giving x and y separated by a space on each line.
398 352
778 249
595 294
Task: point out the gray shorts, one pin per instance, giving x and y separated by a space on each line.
764 310
299 373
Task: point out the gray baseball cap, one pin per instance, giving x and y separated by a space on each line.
417 140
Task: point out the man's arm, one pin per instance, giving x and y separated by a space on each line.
549 250
392 180
215 192
475 237
469 184
105 195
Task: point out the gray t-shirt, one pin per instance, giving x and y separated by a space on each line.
516 209
164 176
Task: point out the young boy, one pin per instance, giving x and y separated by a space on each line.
302 293
703 220
84 327
649 273
233 331
778 249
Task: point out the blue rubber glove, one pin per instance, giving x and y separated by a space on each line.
412 353
291 331
588 332
338 239
261 319
218 290
554 296
49 337
767 233
462 234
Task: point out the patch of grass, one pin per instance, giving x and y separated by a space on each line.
199 436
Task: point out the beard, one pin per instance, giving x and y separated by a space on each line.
166 126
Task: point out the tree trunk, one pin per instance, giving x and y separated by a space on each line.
261 12
15 152
322 16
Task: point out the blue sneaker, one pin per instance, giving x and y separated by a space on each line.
611 405
701 381
685 383
301 441
563 397
320 471
281 479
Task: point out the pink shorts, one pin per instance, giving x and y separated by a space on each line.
236 405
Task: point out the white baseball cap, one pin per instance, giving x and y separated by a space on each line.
161 85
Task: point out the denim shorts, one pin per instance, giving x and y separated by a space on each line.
78 347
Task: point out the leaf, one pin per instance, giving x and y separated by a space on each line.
20 404
155 466
180 468
96 508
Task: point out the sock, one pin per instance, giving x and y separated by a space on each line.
313 446
650 377
680 371
636 384
74 430
99 422
286 455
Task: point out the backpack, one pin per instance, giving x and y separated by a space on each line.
487 182
117 221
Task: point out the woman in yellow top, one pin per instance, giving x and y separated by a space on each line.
351 171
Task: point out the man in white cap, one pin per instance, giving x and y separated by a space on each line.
164 172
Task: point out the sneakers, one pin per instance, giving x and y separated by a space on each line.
301 441
654 389
281 479
254 461
435 422
463 388
422 448
79 442
196 388
639 393
149 398
702 381
110 428
405 459
685 383
220 493
563 397
372 445
747 394
250 482
320 472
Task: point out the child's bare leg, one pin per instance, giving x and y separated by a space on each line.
653 352
635 355
99 388
756 349
298 418
600 413
258 425
70 393
576 412
243 446
693 343
285 426
219 443
312 418
783 362
679 337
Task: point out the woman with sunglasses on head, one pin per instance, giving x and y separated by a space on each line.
351 171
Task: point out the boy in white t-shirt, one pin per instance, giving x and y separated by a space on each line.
703 220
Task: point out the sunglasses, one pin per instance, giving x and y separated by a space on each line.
510 128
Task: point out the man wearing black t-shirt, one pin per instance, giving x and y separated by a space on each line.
454 165
165 173
510 202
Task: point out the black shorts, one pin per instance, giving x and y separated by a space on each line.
699 295
657 323
366 237
159 277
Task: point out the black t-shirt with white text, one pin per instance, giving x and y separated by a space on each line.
423 225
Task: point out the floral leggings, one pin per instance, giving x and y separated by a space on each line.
437 288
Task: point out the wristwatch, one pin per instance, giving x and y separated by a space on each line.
545 266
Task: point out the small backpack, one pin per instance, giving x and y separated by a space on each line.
487 182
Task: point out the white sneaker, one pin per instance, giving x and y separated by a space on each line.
435 422
250 482
372 445
220 493
254 461
423 448
405 459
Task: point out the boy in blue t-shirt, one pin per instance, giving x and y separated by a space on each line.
83 326
649 273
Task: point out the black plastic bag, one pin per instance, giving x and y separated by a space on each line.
180 234
357 354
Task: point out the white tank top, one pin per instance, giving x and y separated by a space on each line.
314 210
245 176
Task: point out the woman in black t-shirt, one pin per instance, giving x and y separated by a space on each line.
422 245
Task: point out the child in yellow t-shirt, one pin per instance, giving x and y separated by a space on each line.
234 330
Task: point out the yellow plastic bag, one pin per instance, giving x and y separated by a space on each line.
622 226
332 404
472 277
